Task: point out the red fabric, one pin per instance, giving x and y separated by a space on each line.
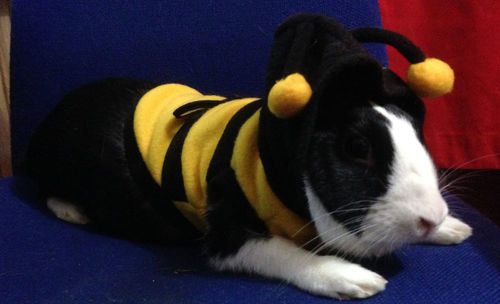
462 128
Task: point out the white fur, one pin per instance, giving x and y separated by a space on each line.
335 236
323 275
66 211
414 191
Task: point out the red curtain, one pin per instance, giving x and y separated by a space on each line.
462 128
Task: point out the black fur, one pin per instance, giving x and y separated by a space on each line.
81 153
340 179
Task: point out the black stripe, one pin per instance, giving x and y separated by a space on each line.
194 107
224 150
171 176
199 106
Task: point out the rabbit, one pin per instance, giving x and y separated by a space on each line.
332 158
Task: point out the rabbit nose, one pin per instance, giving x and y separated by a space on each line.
426 226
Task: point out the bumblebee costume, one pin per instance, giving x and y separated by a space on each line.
162 121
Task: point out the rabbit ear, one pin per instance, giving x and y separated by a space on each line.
301 44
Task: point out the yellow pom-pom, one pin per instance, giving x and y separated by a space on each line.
431 78
289 96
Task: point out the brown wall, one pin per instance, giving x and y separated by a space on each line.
5 159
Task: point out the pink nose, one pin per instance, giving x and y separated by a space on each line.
426 226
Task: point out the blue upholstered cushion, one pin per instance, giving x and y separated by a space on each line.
45 260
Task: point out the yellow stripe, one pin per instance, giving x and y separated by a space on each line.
199 147
251 176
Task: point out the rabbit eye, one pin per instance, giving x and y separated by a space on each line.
358 149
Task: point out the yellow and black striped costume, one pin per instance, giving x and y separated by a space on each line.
178 151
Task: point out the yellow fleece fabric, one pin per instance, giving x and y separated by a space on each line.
154 128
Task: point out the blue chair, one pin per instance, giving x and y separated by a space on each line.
217 47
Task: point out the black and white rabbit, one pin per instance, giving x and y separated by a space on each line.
351 164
